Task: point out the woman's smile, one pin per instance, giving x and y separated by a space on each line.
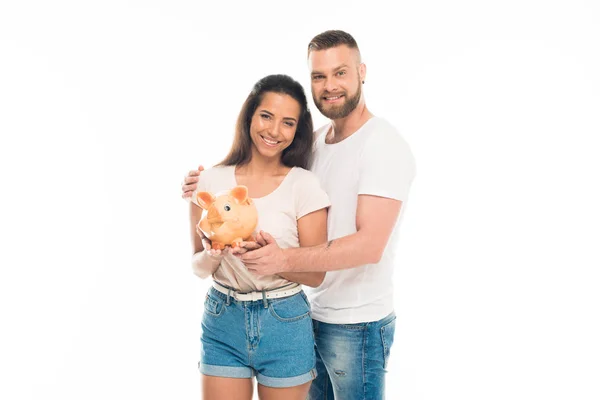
269 142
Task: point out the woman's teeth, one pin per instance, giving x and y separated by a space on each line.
269 142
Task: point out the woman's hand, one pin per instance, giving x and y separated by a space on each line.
245 247
207 244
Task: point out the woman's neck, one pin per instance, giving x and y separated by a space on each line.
259 166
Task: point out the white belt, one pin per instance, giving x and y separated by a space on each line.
254 296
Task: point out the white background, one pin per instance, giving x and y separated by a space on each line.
104 106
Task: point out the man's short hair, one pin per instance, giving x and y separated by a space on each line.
333 38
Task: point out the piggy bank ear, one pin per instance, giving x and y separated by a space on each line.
240 194
205 199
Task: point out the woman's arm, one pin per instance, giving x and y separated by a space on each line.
312 231
204 264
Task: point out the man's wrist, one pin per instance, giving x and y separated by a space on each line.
287 266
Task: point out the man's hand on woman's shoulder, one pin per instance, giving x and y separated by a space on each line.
190 182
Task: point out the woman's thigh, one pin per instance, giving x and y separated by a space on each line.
219 388
290 393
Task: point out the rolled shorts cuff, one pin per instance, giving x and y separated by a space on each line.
286 382
225 372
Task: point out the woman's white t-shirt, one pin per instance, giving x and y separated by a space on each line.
299 194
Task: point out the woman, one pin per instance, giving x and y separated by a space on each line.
270 338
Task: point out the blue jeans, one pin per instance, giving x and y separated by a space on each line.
272 339
352 359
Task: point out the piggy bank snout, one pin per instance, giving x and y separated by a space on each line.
214 215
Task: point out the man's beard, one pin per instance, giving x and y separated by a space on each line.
342 111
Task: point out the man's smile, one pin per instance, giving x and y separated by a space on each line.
333 99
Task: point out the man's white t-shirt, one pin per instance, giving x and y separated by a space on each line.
375 160
297 195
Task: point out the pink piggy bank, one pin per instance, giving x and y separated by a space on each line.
231 217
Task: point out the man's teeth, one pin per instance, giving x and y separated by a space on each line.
332 98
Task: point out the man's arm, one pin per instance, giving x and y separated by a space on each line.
375 221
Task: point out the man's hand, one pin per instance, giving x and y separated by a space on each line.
267 260
190 182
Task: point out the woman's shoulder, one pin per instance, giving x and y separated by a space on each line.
216 172
216 179
309 194
304 177
301 173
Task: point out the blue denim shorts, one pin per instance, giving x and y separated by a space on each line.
272 339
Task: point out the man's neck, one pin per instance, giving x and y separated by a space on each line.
345 127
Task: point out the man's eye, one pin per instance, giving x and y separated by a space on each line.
316 77
227 208
342 73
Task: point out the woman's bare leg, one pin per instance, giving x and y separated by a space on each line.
291 393
219 388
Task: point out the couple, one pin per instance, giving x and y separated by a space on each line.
334 229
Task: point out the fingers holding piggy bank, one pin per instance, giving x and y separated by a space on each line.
230 219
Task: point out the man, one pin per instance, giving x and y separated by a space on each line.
366 168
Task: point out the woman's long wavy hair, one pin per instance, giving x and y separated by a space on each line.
299 152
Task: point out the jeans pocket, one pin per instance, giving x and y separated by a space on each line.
387 339
213 306
290 309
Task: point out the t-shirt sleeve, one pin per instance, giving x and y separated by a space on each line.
201 187
309 195
387 166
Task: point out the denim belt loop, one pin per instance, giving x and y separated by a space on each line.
265 302
228 297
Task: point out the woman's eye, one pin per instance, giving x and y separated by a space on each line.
265 116
227 208
290 124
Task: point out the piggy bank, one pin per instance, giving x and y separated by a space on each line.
230 219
